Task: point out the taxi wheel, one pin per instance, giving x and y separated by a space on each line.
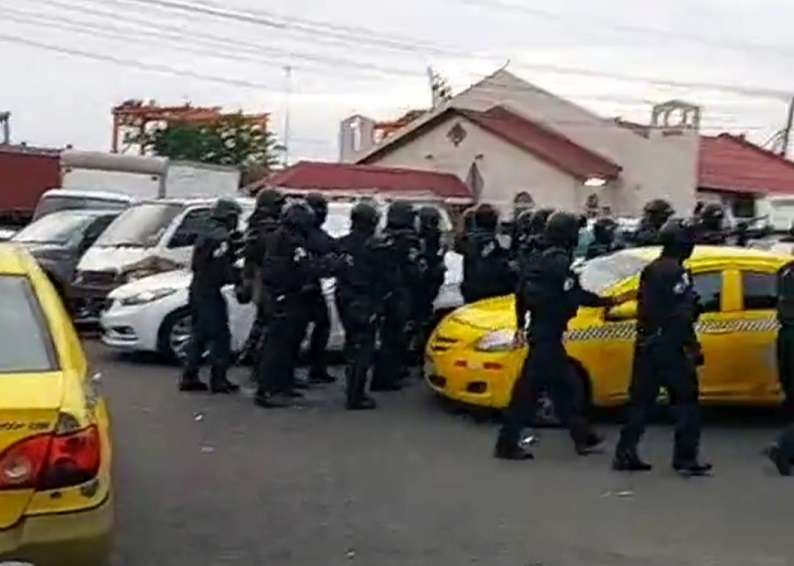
174 335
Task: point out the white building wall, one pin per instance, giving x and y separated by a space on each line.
660 166
506 169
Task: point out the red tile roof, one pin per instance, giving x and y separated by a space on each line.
733 164
347 178
548 145
542 142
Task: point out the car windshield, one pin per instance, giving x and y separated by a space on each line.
141 226
54 203
599 274
26 346
56 228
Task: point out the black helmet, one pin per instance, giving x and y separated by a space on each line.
299 216
364 217
712 216
524 222
539 219
269 201
562 229
659 210
677 238
429 218
400 215
227 211
486 217
319 205
604 230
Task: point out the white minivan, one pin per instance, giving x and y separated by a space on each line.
148 237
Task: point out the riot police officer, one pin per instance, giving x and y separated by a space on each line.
710 231
263 222
603 239
404 266
213 268
551 292
359 295
465 229
785 337
433 252
782 452
655 214
667 354
321 246
287 269
486 264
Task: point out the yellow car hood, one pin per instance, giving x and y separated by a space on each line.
491 314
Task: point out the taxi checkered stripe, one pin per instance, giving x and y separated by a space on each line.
628 330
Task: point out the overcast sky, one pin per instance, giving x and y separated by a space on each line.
733 57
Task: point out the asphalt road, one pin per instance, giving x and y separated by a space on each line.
204 480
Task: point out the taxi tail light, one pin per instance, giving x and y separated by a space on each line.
51 461
73 459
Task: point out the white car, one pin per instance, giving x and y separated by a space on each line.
152 314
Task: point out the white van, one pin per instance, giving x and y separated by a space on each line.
148 237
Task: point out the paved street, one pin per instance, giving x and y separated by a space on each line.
204 480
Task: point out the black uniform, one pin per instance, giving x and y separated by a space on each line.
402 255
433 252
604 239
655 214
213 268
359 296
321 247
552 293
287 271
264 221
785 337
667 354
710 230
486 264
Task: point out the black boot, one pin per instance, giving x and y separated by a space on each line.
512 452
592 444
223 386
364 403
692 468
191 384
267 400
780 460
629 461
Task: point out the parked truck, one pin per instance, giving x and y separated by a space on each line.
26 173
87 176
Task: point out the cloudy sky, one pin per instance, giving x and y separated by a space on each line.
65 63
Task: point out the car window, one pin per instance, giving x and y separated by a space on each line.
709 287
140 226
760 290
189 229
599 274
56 228
50 204
26 346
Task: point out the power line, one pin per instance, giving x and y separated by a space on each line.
134 63
208 38
787 51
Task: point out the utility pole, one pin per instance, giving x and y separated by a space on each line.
788 130
288 93
5 121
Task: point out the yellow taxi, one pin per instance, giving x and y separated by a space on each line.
470 357
55 450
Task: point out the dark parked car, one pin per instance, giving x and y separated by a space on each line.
58 240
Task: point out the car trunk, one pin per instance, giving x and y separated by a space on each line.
29 407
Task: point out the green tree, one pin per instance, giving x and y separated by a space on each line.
230 141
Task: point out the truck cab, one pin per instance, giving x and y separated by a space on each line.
149 237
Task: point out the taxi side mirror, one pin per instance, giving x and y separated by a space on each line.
623 311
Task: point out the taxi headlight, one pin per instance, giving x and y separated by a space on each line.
146 297
498 341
